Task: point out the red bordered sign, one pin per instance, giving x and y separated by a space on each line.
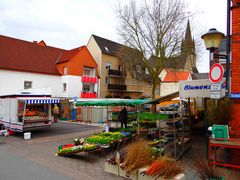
216 73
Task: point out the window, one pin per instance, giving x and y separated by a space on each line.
140 82
27 84
64 87
87 71
149 83
134 81
107 80
65 70
86 87
108 66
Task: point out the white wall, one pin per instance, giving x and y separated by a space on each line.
11 82
74 86
168 88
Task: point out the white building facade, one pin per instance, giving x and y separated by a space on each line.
15 82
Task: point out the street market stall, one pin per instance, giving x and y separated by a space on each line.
106 104
103 140
26 112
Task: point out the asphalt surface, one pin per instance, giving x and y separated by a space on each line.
13 166
35 159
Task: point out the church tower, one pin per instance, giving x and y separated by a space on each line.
188 50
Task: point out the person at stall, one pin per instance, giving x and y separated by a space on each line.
20 117
45 110
55 113
123 117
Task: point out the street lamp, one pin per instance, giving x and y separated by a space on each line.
212 39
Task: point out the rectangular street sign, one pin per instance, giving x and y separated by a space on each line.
220 56
215 95
216 87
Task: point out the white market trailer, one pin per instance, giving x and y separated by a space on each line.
25 113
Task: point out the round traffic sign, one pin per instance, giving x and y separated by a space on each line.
216 73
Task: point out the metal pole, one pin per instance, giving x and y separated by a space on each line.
228 42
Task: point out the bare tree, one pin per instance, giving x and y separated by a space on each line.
155 28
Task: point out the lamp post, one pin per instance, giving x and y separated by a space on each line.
228 42
212 40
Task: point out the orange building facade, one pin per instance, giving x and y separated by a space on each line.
78 67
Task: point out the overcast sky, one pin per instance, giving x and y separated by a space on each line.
69 23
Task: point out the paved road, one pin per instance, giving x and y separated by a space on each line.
34 159
13 166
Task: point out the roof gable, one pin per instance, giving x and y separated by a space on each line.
175 76
67 55
42 43
20 55
107 46
75 60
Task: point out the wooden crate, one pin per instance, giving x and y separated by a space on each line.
113 169
132 176
146 177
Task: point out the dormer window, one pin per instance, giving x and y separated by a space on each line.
106 48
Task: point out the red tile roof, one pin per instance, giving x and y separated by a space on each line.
175 76
67 55
22 55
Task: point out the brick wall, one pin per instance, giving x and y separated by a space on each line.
235 67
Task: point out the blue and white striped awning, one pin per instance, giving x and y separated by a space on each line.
42 101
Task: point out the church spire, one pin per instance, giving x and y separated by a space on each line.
188 34
188 49
188 44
